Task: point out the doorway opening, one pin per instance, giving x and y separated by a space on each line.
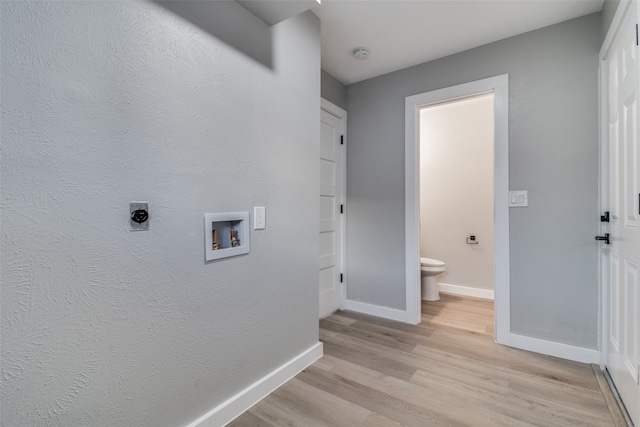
498 88
456 194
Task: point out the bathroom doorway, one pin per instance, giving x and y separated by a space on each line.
456 193
499 87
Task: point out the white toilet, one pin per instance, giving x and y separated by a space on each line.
429 270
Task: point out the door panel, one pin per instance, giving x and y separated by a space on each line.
614 298
631 162
614 156
630 316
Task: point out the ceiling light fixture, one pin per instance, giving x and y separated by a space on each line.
361 53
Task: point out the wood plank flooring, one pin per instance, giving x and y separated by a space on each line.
447 371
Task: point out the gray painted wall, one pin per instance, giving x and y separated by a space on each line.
607 13
333 91
553 140
107 102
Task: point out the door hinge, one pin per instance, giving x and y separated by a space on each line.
636 34
341 278
341 209
342 136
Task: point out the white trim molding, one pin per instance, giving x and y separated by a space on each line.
377 310
332 108
233 407
466 290
499 86
550 348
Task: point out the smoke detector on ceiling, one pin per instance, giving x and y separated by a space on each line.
361 53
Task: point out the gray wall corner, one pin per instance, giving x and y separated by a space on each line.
333 90
609 8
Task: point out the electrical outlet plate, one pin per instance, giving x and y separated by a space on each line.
139 206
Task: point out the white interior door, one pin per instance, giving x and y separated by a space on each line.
623 254
331 209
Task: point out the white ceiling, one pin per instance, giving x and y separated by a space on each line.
402 33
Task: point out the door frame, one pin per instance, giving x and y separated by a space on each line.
499 86
603 173
340 113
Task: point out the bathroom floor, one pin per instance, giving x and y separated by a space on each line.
460 312
447 371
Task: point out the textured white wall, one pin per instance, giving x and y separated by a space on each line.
107 102
456 189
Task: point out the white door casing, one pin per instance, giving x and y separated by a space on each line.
332 190
620 260
499 85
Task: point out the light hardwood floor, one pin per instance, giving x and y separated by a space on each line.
447 371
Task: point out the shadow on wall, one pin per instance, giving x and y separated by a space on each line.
230 23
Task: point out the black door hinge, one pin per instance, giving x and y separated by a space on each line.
342 136
341 209
636 34
341 277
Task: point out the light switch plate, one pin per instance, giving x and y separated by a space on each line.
259 218
518 199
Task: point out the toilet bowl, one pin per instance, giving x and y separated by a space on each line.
429 270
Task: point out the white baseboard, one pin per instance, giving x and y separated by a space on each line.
550 348
466 290
233 407
377 310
